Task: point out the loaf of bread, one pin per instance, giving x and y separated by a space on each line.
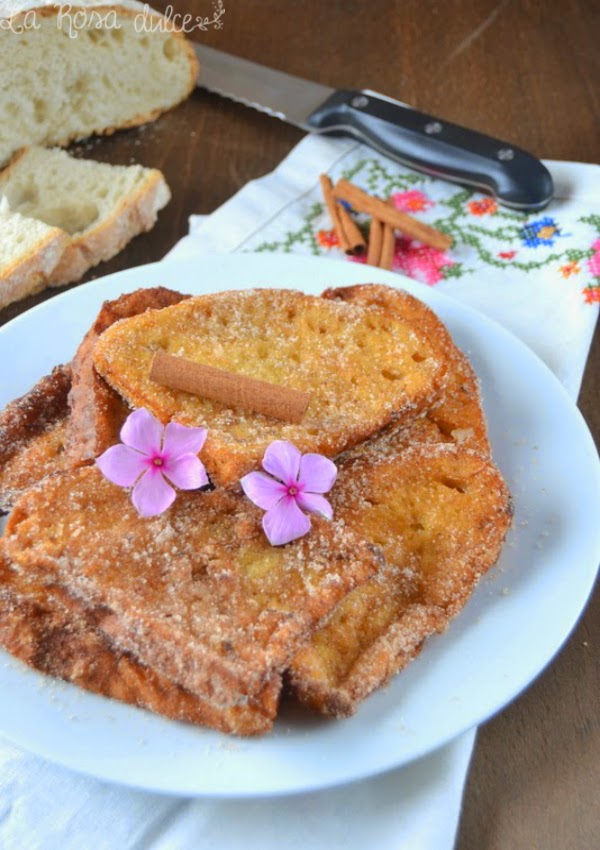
65 215
86 67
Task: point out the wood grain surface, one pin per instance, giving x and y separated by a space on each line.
524 70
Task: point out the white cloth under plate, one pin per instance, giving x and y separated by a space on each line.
547 295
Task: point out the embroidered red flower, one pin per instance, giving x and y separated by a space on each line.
327 238
412 201
420 261
593 263
507 255
591 294
487 206
569 268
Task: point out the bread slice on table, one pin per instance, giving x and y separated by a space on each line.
439 513
30 250
81 68
362 368
97 411
33 432
100 207
54 633
197 594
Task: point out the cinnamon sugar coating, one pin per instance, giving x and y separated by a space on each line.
197 594
32 435
457 416
439 514
362 367
97 411
51 631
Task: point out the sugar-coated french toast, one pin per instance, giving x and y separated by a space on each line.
97 411
51 631
33 434
439 514
197 593
362 367
458 415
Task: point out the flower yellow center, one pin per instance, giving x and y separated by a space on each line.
157 461
547 232
292 491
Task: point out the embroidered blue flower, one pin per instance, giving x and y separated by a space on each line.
541 232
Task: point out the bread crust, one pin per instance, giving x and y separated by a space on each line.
33 272
97 412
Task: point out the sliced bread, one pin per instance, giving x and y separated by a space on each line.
98 207
29 252
72 70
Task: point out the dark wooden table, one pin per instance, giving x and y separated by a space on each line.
517 69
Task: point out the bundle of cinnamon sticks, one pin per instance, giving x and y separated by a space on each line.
385 221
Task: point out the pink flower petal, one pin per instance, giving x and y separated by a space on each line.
285 522
317 473
314 504
263 490
143 432
186 472
152 494
121 465
182 440
282 459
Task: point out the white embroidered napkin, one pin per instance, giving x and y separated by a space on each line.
538 275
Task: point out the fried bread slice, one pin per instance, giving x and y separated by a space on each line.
458 415
362 367
32 435
439 513
97 411
197 593
51 631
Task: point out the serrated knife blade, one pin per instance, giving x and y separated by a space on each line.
429 144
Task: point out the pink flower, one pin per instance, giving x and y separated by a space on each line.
420 261
150 457
593 262
297 484
412 201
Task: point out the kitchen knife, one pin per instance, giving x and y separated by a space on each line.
516 178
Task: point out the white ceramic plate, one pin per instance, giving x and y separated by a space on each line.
516 621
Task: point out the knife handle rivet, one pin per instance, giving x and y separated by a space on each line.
359 102
433 128
505 154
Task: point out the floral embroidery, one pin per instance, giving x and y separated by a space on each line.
594 261
485 234
412 201
420 261
591 294
327 238
487 206
569 269
541 232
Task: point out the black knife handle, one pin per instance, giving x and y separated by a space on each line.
437 147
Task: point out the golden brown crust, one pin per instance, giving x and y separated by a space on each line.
439 513
362 367
56 634
97 411
458 415
32 435
197 593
